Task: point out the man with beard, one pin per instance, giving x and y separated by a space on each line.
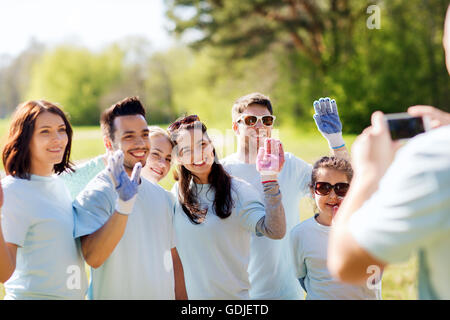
125 223
271 271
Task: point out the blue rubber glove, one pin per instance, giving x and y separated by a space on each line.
328 122
126 188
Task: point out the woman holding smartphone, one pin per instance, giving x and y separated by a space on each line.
216 214
39 258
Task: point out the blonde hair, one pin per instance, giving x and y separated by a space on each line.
157 131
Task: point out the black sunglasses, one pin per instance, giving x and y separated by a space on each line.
186 120
324 188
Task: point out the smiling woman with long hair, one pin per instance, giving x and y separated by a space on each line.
216 215
39 258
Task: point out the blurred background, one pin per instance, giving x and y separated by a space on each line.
199 56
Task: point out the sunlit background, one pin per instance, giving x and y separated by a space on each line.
199 56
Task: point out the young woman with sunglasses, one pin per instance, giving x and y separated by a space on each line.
216 213
39 258
309 240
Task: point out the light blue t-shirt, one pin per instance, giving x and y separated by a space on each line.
271 271
215 253
140 267
84 172
410 212
37 216
309 245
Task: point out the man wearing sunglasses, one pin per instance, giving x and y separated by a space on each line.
271 272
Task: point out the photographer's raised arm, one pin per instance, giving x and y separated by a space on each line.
437 117
373 152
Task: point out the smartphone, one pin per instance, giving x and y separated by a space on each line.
404 126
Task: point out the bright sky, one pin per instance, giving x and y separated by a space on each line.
91 23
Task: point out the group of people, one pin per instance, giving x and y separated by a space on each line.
219 234
229 228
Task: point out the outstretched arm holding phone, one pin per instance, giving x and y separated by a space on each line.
372 154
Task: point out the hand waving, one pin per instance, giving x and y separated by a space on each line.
328 121
270 158
126 187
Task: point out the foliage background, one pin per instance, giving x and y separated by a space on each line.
294 51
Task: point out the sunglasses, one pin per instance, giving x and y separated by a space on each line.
250 120
324 188
186 120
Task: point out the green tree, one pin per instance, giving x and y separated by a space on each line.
324 48
77 78
15 77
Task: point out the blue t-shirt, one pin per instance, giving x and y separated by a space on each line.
215 253
37 216
271 271
410 212
84 172
140 267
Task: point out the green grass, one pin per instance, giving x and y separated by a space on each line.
399 280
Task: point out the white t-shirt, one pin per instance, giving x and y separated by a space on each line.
271 272
37 216
309 245
410 212
215 253
140 267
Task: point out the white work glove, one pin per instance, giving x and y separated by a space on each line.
126 187
328 122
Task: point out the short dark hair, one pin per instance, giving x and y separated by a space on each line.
16 153
127 107
244 102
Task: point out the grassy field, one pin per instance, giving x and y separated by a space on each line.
399 281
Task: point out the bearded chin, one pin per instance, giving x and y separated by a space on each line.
130 165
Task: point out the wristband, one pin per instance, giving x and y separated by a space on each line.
125 207
335 140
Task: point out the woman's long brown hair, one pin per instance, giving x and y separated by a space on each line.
219 180
16 153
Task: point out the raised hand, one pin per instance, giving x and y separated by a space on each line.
328 122
373 150
437 117
270 158
126 187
